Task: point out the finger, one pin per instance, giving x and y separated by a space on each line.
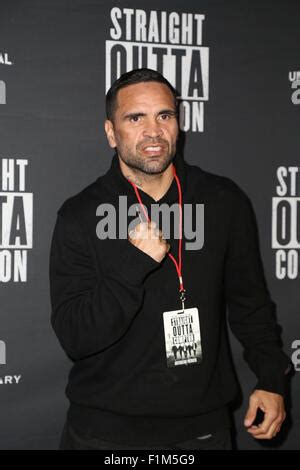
270 420
278 429
132 234
139 231
151 224
251 412
271 432
157 233
142 226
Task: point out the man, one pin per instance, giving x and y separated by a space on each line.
121 303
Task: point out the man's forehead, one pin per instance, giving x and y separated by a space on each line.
142 93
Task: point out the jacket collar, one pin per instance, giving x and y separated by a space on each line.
118 184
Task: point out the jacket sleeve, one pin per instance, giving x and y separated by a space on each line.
89 314
251 312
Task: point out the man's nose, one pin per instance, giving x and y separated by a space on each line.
152 129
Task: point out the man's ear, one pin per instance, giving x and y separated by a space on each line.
110 134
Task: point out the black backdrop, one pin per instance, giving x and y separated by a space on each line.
241 117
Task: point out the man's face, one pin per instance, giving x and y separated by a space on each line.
144 128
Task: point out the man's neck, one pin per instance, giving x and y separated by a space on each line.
154 185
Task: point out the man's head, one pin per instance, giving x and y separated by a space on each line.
141 108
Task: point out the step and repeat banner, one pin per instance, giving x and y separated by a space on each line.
236 65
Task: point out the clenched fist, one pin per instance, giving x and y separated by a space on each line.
150 240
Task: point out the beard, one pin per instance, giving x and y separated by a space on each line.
147 164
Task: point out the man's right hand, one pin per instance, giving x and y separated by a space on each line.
150 240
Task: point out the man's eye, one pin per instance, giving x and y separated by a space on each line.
135 118
165 117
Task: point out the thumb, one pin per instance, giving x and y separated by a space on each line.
151 224
251 413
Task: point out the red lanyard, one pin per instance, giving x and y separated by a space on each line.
178 265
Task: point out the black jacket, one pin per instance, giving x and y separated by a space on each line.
108 298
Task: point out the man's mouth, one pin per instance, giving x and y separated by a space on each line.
153 149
